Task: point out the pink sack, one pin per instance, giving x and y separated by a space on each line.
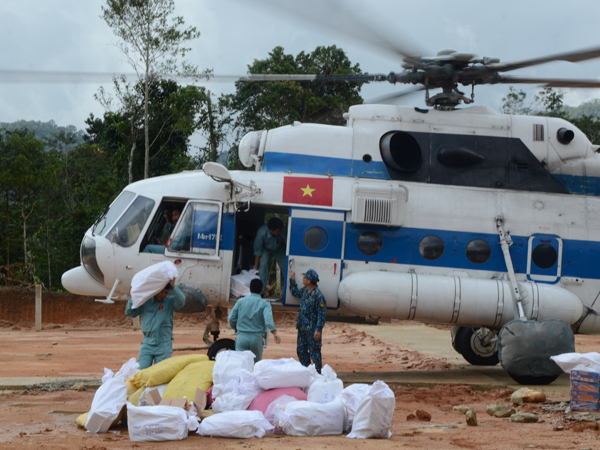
209 397
262 401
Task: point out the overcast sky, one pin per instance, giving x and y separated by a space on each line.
69 35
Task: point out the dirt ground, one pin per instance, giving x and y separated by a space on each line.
83 337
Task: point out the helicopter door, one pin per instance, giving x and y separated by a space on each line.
544 258
315 242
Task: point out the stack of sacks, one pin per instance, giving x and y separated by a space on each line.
234 384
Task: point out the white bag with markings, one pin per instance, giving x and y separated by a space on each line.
281 373
235 424
312 419
159 423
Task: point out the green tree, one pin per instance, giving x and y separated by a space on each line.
152 40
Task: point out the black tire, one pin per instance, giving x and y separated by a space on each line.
467 340
219 346
529 380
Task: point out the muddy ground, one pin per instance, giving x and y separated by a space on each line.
80 337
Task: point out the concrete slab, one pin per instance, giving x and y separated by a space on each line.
437 344
18 383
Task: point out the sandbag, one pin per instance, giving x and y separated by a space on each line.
228 365
373 418
231 402
326 388
351 397
164 371
235 424
281 373
159 423
193 376
150 281
262 401
313 419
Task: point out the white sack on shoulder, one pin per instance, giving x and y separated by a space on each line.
281 373
326 388
231 402
313 419
373 418
568 361
108 401
150 281
235 424
228 367
351 397
158 423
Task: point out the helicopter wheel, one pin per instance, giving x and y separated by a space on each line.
219 346
469 343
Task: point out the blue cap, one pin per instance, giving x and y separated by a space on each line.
312 276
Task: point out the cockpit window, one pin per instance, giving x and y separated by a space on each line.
110 215
127 230
197 231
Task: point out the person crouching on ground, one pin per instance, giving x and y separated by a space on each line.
250 317
311 318
157 324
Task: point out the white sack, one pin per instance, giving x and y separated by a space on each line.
231 402
108 401
326 388
161 390
569 361
158 423
281 373
126 372
235 424
240 283
312 419
150 281
351 398
228 367
373 418
277 407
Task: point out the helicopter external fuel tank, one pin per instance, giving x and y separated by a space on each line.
456 300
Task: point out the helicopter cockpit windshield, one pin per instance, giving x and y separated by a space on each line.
110 215
127 230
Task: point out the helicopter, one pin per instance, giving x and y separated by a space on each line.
458 216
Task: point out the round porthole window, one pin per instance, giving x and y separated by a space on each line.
431 247
369 243
478 251
544 256
316 239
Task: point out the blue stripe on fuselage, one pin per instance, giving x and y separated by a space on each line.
401 246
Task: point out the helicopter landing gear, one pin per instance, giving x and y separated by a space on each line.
479 346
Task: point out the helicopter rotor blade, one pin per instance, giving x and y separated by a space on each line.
365 78
577 56
338 17
388 98
551 82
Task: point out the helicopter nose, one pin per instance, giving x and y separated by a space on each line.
78 281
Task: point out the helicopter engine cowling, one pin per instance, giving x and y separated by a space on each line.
454 300
565 136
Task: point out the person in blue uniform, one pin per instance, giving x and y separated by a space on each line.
311 318
251 316
157 324
269 242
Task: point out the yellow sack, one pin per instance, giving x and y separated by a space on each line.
131 388
164 371
82 419
195 375
134 398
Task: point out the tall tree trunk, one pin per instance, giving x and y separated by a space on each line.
25 261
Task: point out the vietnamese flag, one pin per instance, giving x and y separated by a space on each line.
308 191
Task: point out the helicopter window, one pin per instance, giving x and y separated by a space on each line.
197 231
431 247
544 256
369 243
478 251
316 239
127 230
110 215
400 151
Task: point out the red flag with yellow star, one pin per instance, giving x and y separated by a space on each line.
308 191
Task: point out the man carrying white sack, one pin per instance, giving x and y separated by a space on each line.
250 317
157 323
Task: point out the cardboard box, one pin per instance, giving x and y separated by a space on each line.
199 402
584 375
582 386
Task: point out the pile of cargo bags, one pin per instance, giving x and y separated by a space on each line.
234 398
